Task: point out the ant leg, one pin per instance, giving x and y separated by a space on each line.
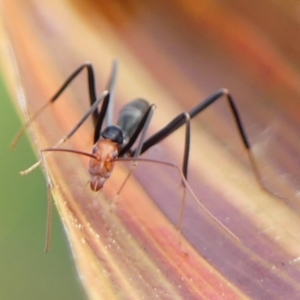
152 107
92 96
132 120
180 120
142 127
111 88
185 163
187 187
107 106
49 206
94 106
104 97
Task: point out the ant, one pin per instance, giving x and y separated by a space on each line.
115 142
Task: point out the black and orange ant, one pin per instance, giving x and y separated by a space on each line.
116 142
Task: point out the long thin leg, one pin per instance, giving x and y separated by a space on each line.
143 127
181 119
94 106
106 108
105 95
187 143
92 96
49 205
112 88
91 85
148 118
185 163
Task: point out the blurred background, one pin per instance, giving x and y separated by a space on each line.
27 272
179 53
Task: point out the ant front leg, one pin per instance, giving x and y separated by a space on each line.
104 96
185 163
98 116
92 96
93 110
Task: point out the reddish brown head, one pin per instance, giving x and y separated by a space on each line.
100 168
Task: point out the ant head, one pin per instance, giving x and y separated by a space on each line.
105 151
